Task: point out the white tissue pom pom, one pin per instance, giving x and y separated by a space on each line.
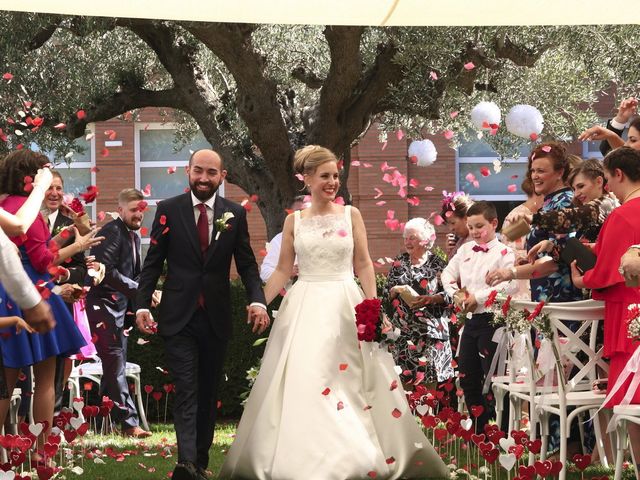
524 121
424 151
485 114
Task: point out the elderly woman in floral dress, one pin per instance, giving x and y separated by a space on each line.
423 350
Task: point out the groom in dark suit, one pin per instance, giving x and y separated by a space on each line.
198 233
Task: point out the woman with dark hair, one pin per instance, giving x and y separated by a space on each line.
551 282
620 231
454 213
40 258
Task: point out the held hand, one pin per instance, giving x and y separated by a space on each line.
145 323
394 292
156 298
628 108
516 217
471 303
67 292
545 246
576 277
21 325
596 133
497 276
259 317
40 317
421 301
294 271
85 242
43 179
630 263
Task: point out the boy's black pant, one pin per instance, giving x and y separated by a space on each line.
476 353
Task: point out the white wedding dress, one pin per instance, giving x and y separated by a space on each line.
324 406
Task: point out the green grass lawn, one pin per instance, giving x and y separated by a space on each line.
115 457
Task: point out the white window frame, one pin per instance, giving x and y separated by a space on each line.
91 128
146 126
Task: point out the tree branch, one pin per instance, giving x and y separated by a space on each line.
522 56
310 79
129 98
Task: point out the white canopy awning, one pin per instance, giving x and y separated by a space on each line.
352 12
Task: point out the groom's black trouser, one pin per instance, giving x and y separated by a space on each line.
195 357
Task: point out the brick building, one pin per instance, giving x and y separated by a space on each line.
140 153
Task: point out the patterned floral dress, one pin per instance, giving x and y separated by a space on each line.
423 349
556 287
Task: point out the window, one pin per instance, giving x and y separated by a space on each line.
155 155
475 157
80 172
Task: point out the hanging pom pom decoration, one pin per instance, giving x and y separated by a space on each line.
424 152
524 121
486 116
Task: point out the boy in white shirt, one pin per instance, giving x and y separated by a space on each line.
464 280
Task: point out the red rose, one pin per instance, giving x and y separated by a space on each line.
506 305
76 206
536 311
91 194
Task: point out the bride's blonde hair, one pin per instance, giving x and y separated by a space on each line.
309 158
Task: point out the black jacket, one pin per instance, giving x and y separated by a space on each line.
174 238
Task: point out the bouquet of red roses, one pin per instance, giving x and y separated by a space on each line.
369 320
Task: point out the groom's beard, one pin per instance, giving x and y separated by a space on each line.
203 195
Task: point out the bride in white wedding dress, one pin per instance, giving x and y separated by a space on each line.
325 406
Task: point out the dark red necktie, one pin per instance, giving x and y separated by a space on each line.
203 228
203 235
478 248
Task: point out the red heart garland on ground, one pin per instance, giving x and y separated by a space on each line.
440 434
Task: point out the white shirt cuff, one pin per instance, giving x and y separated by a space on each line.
617 125
142 310
258 304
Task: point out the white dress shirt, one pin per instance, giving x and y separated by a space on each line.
13 277
270 261
469 269
52 219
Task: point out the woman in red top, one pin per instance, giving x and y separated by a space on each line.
621 229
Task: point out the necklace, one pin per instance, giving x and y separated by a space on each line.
629 194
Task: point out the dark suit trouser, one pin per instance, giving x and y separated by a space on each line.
474 361
195 357
111 345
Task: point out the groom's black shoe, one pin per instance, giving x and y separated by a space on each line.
185 471
202 474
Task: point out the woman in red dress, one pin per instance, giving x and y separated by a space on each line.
621 229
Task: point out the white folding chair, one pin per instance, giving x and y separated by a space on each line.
577 357
93 371
623 415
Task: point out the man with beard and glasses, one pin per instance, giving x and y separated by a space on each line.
197 234
109 302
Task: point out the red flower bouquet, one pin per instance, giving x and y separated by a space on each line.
369 320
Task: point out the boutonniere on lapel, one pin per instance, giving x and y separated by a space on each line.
222 225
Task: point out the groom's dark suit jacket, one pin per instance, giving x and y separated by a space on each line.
174 238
